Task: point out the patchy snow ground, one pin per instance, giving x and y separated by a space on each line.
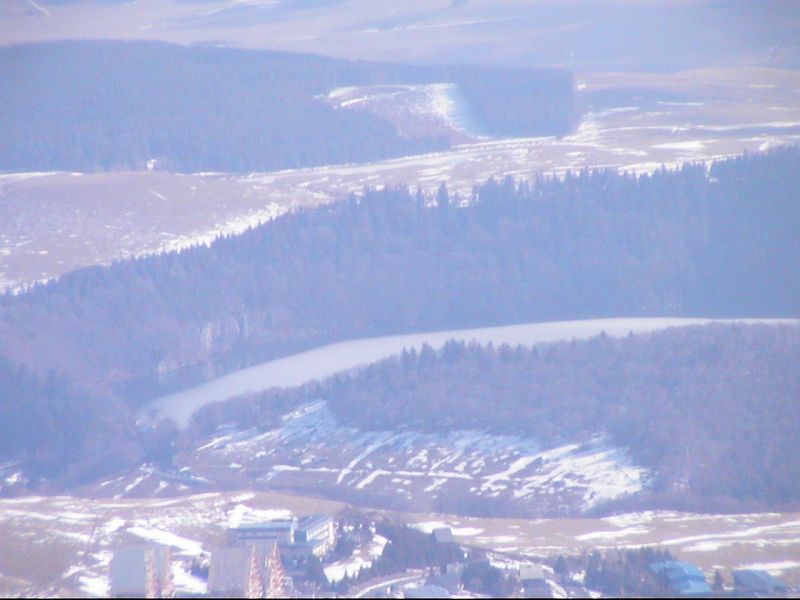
310 450
147 481
186 582
710 541
361 558
66 543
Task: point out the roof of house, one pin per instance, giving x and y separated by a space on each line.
676 570
531 573
443 535
129 568
277 525
310 521
757 579
682 578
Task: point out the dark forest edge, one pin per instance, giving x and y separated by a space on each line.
103 105
597 243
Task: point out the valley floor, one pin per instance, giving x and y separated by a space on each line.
63 544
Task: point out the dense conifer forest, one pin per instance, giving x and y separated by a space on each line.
593 244
86 106
60 433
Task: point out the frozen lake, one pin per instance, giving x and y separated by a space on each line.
334 358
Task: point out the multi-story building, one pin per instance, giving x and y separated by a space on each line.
316 532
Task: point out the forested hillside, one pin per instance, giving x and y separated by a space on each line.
595 244
116 105
56 431
591 245
712 410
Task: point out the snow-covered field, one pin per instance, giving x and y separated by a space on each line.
96 218
419 471
64 544
328 360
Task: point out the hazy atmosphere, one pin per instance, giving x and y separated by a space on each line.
458 298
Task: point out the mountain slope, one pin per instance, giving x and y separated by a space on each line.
598 243
700 416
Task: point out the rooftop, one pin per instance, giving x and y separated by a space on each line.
313 520
443 535
267 525
676 570
757 579
531 573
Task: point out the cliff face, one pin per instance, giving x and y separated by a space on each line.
220 346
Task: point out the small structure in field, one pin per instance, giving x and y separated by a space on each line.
533 582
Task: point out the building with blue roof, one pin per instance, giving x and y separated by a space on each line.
683 579
758 583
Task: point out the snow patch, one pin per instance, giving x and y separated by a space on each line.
187 583
244 514
165 538
94 585
612 535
